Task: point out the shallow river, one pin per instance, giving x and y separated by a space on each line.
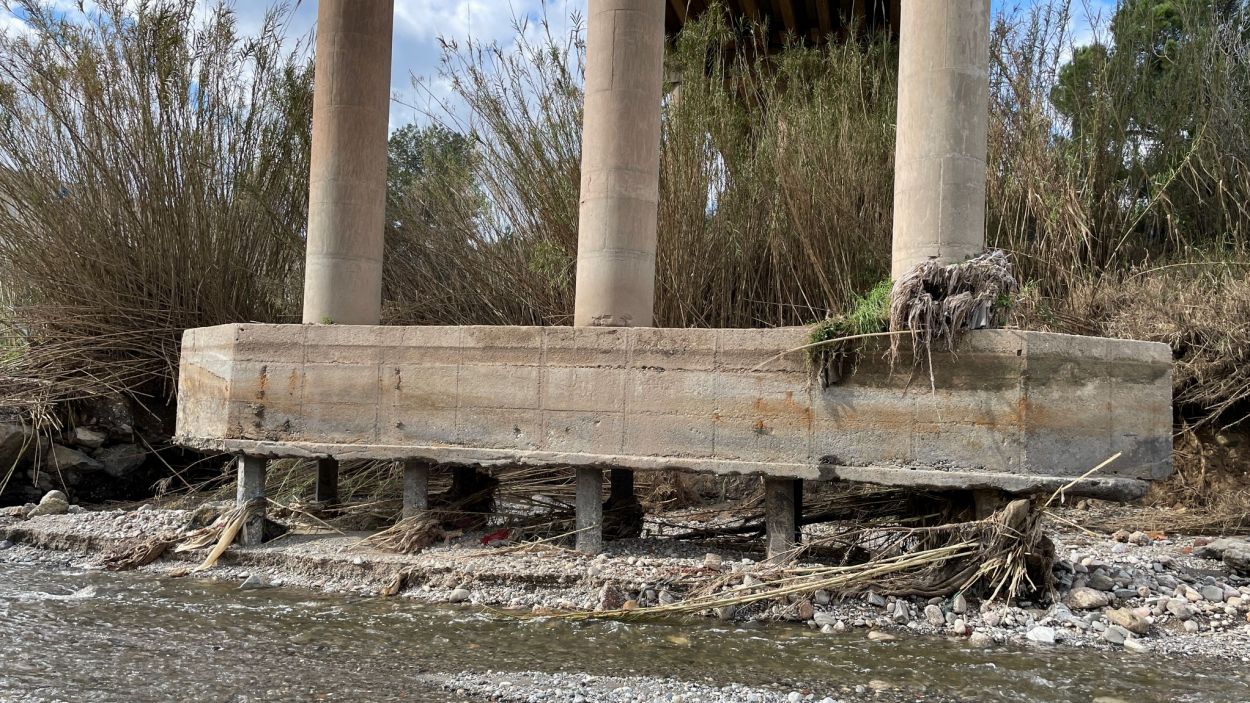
74 635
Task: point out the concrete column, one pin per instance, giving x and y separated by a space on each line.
943 118
780 521
327 489
416 487
347 180
589 507
250 488
620 186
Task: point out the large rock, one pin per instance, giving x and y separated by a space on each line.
111 414
54 503
17 444
1238 559
120 460
1042 635
1085 598
1215 549
1127 619
61 458
89 437
1099 581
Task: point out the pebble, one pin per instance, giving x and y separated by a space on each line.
874 599
253 582
1215 594
1136 645
934 615
805 610
1042 634
459 595
823 597
1099 581
1116 634
880 636
1127 619
1181 609
959 604
980 639
5 544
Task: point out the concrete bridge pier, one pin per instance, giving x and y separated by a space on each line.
943 120
620 192
347 176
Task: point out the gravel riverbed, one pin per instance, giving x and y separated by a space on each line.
1152 595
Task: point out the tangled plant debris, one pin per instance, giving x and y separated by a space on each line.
936 302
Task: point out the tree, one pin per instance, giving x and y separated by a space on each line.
412 154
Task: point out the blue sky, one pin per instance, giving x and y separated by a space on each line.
420 23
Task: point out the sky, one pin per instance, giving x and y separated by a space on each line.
419 24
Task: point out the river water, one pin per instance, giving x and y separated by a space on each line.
88 636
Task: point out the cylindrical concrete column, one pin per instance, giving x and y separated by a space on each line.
620 186
347 180
943 117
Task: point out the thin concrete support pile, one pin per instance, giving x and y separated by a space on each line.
620 192
251 490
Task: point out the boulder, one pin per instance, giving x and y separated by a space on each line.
120 460
1127 619
1116 634
1085 598
1215 548
610 597
61 458
89 438
1238 559
1100 581
111 414
1042 635
53 503
18 448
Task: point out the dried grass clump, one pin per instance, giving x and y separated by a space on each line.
936 302
139 553
408 536
1003 556
153 177
1200 308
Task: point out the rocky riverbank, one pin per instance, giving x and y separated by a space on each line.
1150 594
